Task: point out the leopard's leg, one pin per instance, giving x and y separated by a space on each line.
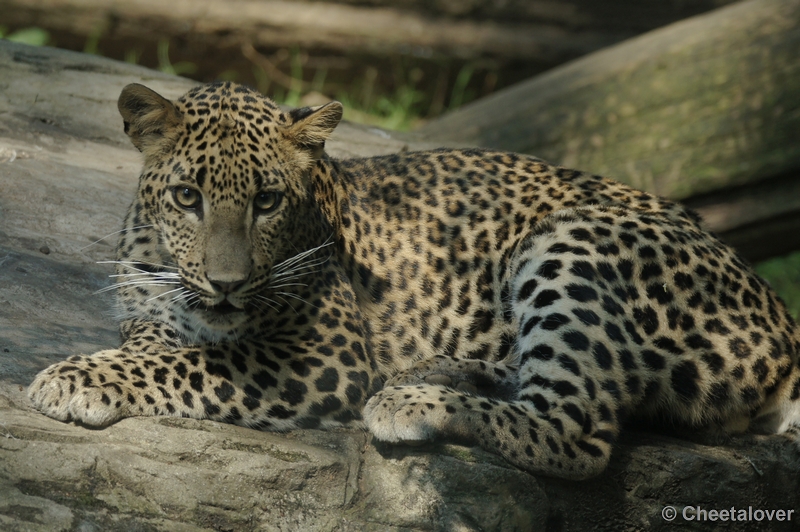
566 441
565 413
262 384
477 377
559 423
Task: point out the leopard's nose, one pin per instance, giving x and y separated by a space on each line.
227 287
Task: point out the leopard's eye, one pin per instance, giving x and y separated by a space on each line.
187 198
266 202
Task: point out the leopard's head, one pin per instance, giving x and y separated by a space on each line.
223 196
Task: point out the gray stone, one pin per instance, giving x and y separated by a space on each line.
67 173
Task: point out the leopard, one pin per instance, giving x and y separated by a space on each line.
454 295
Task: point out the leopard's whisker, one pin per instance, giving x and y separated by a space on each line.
132 263
291 274
144 279
268 302
164 294
288 263
283 268
295 296
292 264
137 282
294 274
284 285
287 278
289 305
139 274
184 296
124 229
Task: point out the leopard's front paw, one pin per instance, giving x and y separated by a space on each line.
74 390
404 414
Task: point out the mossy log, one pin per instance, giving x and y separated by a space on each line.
689 110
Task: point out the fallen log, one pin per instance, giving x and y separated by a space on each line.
310 25
447 51
694 109
628 15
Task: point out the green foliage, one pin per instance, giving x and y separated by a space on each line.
460 95
401 109
228 75
783 273
394 111
396 96
365 101
294 93
407 104
132 56
165 65
92 44
30 36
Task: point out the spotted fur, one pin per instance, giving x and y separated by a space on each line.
507 302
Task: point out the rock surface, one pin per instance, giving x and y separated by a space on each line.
67 174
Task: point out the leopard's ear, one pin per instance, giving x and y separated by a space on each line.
151 121
310 127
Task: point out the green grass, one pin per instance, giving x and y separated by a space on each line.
396 97
30 36
392 111
783 273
